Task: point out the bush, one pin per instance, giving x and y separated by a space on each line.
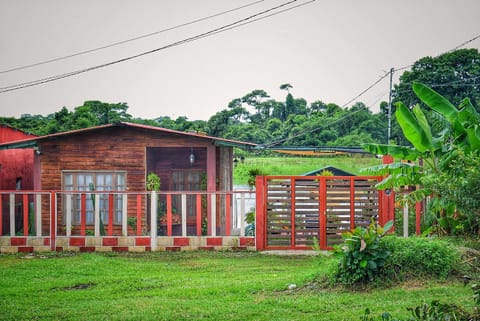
362 255
419 256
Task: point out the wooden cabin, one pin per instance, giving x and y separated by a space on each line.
118 157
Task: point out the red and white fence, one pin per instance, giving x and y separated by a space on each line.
122 221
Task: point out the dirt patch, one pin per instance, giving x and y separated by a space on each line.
79 286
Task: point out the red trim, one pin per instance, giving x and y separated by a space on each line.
110 215
18 241
260 223
83 214
110 241
352 204
1 216
139 215
76 241
87 248
418 217
181 241
25 249
119 248
214 241
142 241
25 214
247 241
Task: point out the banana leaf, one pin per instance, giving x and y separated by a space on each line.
412 129
402 152
435 101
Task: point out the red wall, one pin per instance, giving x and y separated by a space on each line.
15 163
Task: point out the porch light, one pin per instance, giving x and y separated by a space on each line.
191 157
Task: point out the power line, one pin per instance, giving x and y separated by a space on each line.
402 68
367 89
451 50
128 40
236 24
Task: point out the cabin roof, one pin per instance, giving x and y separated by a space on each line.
32 142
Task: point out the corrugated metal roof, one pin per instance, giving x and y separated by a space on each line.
31 142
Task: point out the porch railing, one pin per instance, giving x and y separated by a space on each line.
51 214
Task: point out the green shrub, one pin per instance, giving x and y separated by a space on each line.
361 255
418 256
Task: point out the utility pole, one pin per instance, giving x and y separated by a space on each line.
389 115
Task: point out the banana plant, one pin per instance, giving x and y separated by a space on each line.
462 133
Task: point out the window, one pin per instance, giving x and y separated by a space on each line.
95 181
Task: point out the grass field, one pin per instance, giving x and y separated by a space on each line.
299 165
194 286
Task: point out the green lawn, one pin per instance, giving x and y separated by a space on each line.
299 165
194 286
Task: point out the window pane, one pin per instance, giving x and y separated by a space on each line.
120 181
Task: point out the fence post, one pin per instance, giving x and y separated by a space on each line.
53 220
228 213
124 214
25 214
1 214
323 213
139 215
292 213
260 237
12 214
199 214
405 220
38 214
153 220
213 215
352 203
184 214
418 217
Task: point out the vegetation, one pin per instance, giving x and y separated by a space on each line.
196 286
449 157
362 256
275 165
418 257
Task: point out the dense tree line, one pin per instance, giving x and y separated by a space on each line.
258 118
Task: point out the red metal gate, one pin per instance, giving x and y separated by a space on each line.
293 210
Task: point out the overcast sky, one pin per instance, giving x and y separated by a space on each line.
327 50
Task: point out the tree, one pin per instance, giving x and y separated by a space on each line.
286 87
454 75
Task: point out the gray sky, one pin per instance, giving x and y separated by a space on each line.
327 50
